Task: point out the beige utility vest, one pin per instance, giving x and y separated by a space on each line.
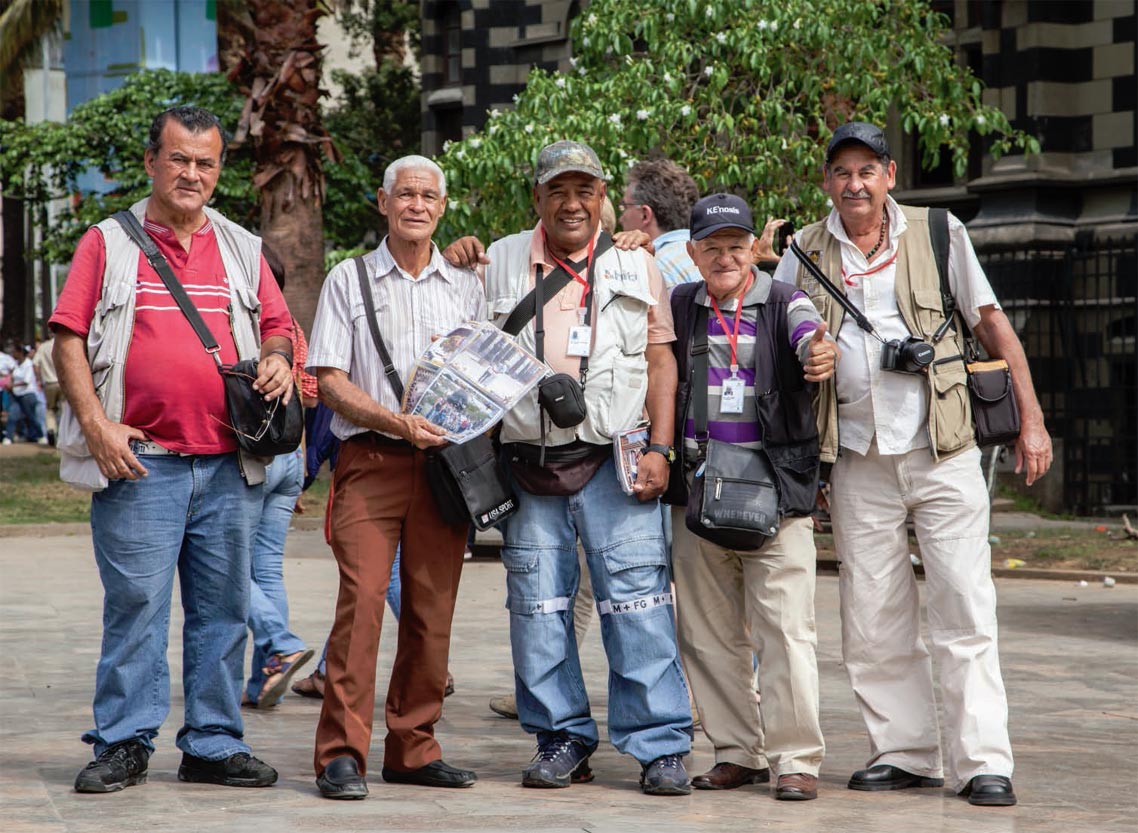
108 340
617 383
919 301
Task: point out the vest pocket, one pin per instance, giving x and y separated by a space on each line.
950 410
929 311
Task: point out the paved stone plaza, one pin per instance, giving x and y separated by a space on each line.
1070 658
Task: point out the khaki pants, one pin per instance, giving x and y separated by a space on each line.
888 664
720 594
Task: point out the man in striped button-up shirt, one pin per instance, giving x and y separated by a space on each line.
380 496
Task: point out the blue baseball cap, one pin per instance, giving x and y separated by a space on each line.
719 211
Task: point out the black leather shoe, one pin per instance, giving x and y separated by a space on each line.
885 777
728 776
341 779
990 791
238 770
434 774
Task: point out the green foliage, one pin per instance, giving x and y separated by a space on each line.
374 121
743 93
47 160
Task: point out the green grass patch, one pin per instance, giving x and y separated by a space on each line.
33 493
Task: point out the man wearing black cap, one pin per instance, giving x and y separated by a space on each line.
766 345
902 443
604 330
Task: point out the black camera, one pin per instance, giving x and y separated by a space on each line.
906 355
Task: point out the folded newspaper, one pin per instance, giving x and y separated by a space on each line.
467 380
627 447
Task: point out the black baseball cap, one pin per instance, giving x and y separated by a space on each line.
867 134
719 211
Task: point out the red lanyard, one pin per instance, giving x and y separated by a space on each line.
849 279
570 269
733 336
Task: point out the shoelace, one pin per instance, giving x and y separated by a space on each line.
553 750
119 754
668 762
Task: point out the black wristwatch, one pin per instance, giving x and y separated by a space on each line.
666 451
286 356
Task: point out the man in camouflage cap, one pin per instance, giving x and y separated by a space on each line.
604 329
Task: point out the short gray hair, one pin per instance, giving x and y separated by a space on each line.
413 162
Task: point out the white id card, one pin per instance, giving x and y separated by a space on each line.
580 340
731 400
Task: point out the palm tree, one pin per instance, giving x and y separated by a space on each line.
23 24
276 64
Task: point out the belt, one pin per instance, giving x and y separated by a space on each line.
375 438
149 448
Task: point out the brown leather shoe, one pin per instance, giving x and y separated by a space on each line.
726 776
797 786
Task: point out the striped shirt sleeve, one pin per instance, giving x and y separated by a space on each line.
802 319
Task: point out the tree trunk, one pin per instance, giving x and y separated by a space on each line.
14 300
294 228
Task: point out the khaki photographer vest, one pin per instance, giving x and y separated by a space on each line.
919 301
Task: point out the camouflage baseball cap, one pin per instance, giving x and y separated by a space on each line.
566 157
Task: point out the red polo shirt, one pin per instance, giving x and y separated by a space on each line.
173 391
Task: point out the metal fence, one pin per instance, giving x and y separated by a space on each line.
1076 310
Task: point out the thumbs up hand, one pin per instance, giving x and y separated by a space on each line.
822 356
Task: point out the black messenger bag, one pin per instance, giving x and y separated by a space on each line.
466 480
734 498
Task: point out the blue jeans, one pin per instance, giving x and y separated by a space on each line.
268 601
623 541
394 589
24 408
194 515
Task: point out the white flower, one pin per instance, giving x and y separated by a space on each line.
721 37
707 70
829 203
591 19
710 11
452 205
667 78
461 154
494 113
446 145
762 25
493 129
581 71
980 120
774 25
585 41
621 153
515 98
685 110
615 119
476 143
798 24
560 82
784 144
669 17
573 61
528 128
632 161
943 119
642 115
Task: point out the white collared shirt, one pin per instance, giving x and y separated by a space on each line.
883 403
409 310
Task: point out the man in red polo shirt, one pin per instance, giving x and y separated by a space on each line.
145 403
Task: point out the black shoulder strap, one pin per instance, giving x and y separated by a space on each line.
938 237
373 325
699 368
160 265
555 281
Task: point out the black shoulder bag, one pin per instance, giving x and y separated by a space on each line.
995 414
263 429
734 494
466 480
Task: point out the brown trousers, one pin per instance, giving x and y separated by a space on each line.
380 498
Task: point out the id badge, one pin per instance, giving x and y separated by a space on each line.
580 340
731 400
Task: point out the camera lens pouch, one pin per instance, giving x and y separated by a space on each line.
563 399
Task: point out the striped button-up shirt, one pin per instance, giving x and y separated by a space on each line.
410 310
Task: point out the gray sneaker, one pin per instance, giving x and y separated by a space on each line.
559 762
121 765
665 776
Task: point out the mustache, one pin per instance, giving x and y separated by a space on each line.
863 194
